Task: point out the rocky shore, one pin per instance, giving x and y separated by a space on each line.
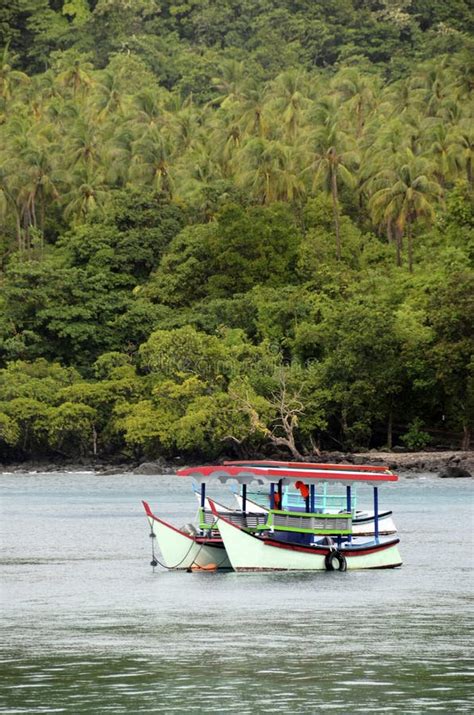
446 464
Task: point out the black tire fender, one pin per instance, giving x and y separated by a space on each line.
335 561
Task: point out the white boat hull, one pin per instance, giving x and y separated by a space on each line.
364 524
182 551
248 552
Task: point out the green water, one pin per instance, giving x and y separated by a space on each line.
87 627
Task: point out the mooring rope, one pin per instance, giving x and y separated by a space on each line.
156 562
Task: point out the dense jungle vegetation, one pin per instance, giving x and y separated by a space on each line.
236 226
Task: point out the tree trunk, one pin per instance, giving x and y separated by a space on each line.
410 247
399 239
335 209
19 235
390 428
289 443
466 438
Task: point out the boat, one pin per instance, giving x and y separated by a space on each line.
296 540
187 547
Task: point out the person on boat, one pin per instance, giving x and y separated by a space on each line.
303 489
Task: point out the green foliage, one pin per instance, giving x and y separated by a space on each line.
71 427
234 225
415 438
9 430
218 260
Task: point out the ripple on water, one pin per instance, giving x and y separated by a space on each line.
85 620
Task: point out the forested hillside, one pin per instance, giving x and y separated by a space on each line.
235 227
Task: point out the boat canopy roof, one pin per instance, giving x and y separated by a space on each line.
288 473
307 465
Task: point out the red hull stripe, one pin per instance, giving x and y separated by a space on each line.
324 551
205 540
150 515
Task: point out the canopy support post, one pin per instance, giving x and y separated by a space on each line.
203 495
311 493
280 494
348 505
272 496
376 513
244 498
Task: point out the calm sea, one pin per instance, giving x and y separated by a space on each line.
88 627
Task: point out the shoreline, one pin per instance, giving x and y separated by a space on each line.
447 463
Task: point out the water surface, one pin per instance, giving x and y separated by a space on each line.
87 626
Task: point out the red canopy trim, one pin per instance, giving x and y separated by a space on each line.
269 474
306 465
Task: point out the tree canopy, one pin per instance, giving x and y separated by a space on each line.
234 227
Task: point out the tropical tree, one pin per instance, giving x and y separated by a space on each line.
334 160
445 151
74 73
269 171
358 94
402 194
151 161
9 77
287 98
87 194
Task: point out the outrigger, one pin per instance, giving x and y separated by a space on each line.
277 538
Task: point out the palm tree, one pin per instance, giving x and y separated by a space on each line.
433 78
402 194
288 100
252 107
109 100
117 154
269 171
229 83
85 144
185 126
8 76
149 112
151 162
358 94
334 159
463 137
87 194
445 152
224 143
9 203
40 184
75 74
29 176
